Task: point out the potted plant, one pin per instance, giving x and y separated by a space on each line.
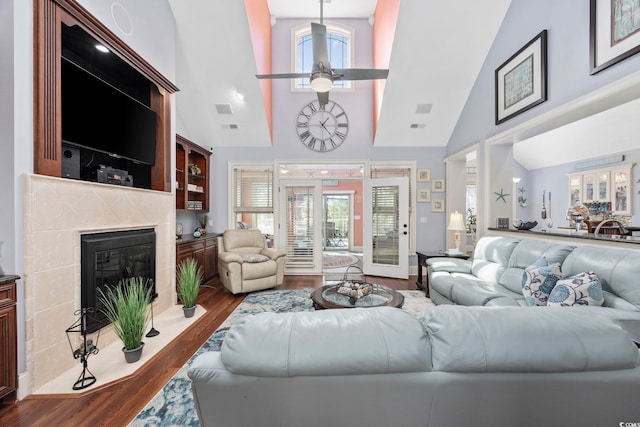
125 305
189 280
203 223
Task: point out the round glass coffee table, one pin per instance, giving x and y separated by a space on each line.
328 297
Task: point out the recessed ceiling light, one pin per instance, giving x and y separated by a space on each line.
102 48
240 96
324 172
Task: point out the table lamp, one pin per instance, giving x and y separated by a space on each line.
456 224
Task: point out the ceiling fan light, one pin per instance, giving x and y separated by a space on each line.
321 82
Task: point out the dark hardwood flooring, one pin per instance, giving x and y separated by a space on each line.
116 404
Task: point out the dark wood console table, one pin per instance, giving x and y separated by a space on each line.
422 262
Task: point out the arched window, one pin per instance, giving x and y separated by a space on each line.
339 45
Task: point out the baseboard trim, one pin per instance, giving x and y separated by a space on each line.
23 385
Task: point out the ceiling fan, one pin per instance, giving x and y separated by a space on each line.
322 75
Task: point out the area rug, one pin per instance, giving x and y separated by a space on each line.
331 260
174 406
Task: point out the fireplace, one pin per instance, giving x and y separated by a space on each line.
106 258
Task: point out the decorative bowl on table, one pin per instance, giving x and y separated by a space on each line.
524 225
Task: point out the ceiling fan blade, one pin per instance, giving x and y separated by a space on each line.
359 74
283 76
323 97
319 37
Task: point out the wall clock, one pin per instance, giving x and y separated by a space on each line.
322 128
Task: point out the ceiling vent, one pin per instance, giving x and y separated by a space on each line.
230 126
224 109
423 108
417 125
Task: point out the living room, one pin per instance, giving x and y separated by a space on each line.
461 120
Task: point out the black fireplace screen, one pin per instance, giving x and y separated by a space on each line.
107 258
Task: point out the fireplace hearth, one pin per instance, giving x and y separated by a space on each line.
107 258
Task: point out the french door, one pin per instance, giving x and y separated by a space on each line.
386 227
301 225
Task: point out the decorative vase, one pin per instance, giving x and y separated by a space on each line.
132 356
188 312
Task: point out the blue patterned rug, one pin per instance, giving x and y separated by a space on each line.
174 406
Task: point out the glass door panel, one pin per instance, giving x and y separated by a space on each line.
621 191
300 222
336 209
603 187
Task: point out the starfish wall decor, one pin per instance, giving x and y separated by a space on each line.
501 195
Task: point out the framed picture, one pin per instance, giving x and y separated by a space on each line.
424 175
437 186
614 32
521 82
502 223
437 205
424 195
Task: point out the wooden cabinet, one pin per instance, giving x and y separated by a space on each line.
192 176
210 259
610 185
8 338
205 251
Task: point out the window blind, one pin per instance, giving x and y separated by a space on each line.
253 190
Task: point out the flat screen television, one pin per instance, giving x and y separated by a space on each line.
97 116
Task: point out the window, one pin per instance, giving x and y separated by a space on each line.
253 198
339 45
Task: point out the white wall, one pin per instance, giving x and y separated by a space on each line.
568 76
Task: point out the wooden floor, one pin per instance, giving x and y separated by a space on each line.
117 404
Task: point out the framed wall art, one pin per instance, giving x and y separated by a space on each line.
423 175
423 195
614 32
437 186
437 205
521 82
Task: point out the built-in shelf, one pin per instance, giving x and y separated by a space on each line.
190 154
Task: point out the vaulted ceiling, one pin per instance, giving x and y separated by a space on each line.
438 50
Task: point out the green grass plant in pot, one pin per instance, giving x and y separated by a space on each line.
189 280
125 305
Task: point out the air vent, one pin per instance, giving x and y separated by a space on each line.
230 126
417 125
423 108
224 109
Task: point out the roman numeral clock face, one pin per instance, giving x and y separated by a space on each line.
322 128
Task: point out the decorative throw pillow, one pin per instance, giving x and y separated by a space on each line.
538 280
581 289
253 258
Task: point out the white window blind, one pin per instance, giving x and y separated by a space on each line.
253 190
391 172
386 226
397 171
300 224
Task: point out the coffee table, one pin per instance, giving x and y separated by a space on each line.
328 297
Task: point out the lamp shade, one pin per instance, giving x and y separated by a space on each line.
456 222
321 82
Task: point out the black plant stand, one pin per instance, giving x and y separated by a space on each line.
153 331
88 348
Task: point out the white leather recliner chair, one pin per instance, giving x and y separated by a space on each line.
246 264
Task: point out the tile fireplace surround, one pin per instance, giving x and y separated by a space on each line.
56 212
